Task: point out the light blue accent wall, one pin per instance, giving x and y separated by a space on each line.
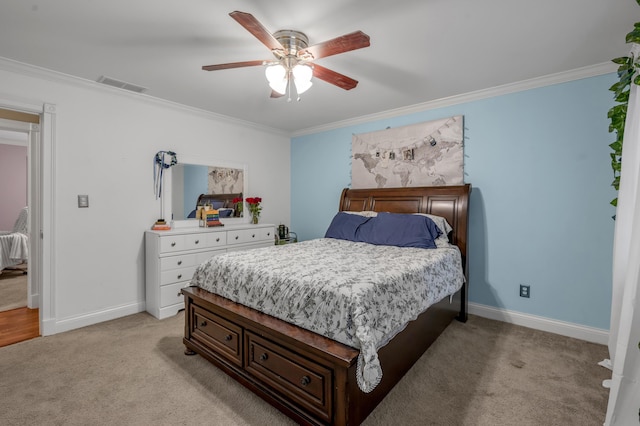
538 161
195 183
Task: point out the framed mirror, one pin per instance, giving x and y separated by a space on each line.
197 181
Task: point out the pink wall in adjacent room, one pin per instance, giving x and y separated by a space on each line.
13 184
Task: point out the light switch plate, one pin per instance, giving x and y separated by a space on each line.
83 201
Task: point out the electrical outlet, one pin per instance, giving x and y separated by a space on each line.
525 290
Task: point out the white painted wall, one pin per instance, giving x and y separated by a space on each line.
105 141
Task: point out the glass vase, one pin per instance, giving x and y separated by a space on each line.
254 219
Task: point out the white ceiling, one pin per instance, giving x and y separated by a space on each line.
421 50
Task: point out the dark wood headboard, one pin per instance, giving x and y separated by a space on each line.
450 202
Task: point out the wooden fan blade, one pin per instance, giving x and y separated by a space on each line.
251 24
232 65
345 43
330 76
275 94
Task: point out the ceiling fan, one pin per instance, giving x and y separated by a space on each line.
293 65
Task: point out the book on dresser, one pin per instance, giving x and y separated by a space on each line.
172 256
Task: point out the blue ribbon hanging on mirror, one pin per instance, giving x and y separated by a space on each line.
163 160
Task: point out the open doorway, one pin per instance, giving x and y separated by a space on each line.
14 234
19 260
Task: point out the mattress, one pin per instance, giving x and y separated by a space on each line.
356 293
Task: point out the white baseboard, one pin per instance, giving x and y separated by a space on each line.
590 334
50 327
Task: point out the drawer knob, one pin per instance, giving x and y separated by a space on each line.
217 239
236 237
203 324
305 380
264 357
179 262
173 244
253 235
268 234
228 337
197 241
179 276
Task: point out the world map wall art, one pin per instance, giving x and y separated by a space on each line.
423 154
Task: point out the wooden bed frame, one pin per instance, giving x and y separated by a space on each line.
308 377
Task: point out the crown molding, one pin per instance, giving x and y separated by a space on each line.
57 77
534 83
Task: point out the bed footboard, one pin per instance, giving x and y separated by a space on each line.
308 377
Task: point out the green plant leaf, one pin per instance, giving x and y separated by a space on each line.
617 166
616 86
624 96
634 35
614 203
621 59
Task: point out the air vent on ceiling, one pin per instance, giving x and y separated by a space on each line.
121 84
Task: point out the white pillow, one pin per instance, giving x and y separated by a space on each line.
443 226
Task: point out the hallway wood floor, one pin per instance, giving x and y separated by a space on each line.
17 325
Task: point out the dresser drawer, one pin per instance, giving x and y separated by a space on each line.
177 275
250 235
216 239
177 262
175 243
172 243
195 241
216 332
307 383
170 294
267 234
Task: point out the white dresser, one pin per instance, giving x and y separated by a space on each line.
172 258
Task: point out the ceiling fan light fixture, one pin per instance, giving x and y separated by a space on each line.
302 74
277 77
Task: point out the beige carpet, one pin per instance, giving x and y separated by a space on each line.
132 371
13 289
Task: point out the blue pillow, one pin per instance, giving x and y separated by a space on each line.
225 212
344 226
401 230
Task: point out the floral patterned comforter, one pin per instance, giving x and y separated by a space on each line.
356 293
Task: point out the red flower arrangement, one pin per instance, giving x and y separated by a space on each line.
237 204
254 207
